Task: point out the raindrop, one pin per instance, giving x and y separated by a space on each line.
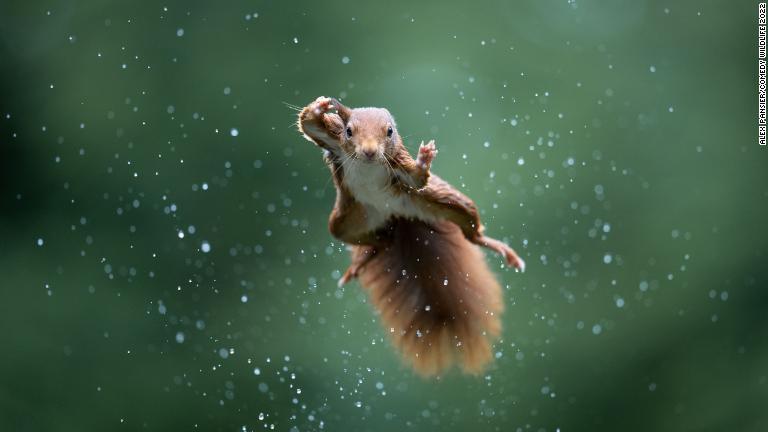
597 329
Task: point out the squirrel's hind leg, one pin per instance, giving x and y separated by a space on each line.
473 231
361 255
502 249
457 208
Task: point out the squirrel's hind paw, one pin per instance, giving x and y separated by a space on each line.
513 260
346 277
359 260
520 265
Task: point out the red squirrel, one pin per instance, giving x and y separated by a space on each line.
413 239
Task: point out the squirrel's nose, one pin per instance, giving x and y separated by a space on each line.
369 153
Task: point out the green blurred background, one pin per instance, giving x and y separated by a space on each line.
166 263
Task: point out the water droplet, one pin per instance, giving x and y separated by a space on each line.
223 353
597 329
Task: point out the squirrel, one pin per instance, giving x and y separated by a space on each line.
413 239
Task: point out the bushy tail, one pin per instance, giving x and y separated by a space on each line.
437 298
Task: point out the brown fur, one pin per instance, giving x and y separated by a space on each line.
404 264
437 298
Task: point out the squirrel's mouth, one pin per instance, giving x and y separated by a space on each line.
369 158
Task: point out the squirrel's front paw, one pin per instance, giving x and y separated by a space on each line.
427 153
319 107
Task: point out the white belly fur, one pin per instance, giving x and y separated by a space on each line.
370 184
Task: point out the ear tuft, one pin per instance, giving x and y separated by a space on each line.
344 111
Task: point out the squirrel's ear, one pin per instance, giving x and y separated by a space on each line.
343 110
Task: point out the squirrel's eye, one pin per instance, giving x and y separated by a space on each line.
390 131
349 132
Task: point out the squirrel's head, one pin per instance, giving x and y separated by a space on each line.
369 134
